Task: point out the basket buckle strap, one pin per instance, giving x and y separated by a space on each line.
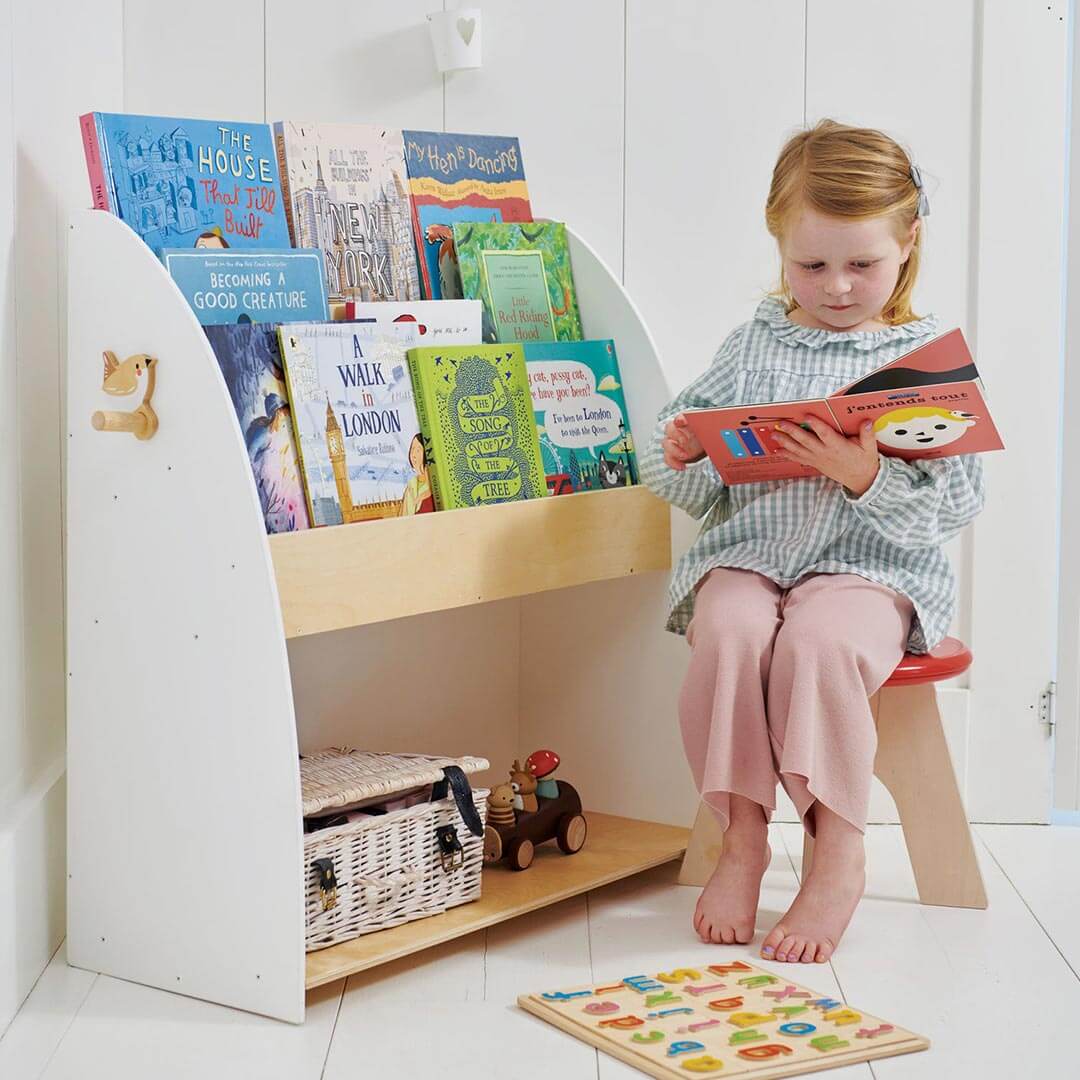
458 783
451 853
327 882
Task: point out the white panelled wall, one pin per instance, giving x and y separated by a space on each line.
652 128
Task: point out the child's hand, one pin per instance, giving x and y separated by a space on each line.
681 445
852 462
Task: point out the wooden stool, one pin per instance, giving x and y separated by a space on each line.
913 762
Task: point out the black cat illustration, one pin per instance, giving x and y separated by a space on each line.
612 473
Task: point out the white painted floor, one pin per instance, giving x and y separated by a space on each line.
996 991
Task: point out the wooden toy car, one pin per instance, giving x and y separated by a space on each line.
558 819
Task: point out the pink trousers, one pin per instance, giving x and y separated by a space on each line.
778 687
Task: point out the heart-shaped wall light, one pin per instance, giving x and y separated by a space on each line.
455 37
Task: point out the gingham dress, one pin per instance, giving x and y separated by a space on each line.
786 529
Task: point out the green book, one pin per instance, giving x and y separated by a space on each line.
476 419
521 271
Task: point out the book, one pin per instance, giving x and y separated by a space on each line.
581 417
438 322
186 183
280 285
456 177
477 420
251 365
521 271
345 194
927 403
360 447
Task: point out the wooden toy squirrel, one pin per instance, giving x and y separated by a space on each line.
524 784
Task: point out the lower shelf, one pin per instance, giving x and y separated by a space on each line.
615 848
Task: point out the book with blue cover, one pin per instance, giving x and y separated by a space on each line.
455 177
251 364
184 183
581 416
280 285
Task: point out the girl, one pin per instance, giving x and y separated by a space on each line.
799 597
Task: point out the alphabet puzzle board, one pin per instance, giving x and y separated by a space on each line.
722 1020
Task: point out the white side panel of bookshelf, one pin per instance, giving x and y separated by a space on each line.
599 674
184 834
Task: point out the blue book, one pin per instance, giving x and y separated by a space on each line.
250 286
187 183
251 364
585 439
461 178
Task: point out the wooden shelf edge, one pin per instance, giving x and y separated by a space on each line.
616 848
354 575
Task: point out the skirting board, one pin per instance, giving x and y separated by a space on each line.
32 892
953 703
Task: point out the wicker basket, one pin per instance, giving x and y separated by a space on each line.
387 869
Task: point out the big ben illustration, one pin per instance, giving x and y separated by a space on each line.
335 447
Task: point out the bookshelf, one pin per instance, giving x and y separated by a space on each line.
190 635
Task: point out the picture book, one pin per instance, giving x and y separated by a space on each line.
459 178
251 364
521 271
477 419
187 183
927 403
581 415
345 194
360 446
438 322
280 285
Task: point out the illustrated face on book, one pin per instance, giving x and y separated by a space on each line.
921 428
842 272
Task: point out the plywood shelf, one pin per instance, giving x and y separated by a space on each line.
616 848
352 575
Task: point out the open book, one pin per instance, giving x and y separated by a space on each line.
927 403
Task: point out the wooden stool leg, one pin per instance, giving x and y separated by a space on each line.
703 851
807 854
913 762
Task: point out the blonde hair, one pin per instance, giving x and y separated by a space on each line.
913 412
848 172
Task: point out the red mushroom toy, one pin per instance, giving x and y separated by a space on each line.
542 764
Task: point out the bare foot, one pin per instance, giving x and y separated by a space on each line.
726 912
813 925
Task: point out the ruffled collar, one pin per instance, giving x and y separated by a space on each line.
771 312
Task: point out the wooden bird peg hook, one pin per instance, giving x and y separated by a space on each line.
122 378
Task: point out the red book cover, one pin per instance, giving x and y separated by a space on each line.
927 403
95 165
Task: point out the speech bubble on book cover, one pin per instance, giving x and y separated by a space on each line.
574 414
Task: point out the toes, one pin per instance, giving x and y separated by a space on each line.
772 939
786 947
745 934
808 952
727 935
824 951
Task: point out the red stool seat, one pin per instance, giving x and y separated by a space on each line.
951 657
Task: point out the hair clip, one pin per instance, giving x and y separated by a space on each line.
924 202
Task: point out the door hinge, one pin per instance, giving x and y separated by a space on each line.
1046 705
